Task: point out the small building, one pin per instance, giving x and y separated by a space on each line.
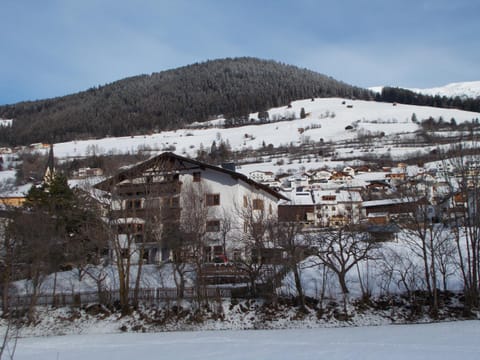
262 176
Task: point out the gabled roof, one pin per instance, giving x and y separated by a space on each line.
169 161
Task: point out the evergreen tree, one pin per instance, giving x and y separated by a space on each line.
302 113
414 118
76 234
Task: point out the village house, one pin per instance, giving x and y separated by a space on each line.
262 176
322 208
88 172
338 208
152 200
349 170
320 176
340 176
396 209
298 181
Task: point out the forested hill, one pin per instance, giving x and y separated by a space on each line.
168 100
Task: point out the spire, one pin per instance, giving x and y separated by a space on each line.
50 169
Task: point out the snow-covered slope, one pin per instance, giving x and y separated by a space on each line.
326 119
461 89
470 89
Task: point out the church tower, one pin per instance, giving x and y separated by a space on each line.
50 169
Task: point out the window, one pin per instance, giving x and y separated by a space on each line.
245 201
213 226
197 176
130 228
213 199
258 229
218 250
329 197
172 202
237 255
257 204
133 204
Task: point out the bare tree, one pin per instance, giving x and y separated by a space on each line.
446 259
123 228
401 270
226 227
423 242
462 173
196 204
292 242
341 249
255 241
424 233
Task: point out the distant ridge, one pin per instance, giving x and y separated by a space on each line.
469 89
169 100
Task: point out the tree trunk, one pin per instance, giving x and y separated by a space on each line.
298 286
343 282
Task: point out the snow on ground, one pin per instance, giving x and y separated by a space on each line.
75 281
326 119
461 89
455 340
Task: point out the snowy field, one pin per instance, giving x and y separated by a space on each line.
455 340
326 119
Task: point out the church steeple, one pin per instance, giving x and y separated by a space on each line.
50 169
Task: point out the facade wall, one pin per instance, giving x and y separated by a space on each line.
235 198
223 195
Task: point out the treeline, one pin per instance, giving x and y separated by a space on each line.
404 96
168 100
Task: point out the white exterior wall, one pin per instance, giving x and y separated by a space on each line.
232 192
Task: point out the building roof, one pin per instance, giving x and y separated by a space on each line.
301 198
344 196
385 202
169 161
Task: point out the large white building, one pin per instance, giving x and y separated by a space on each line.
152 200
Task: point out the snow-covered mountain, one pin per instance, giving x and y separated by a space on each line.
461 89
469 89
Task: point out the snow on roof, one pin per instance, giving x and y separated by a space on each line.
300 198
371 176
377 214
388 202
337 196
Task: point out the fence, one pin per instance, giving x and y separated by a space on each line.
144 296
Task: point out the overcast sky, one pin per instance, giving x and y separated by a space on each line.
51 48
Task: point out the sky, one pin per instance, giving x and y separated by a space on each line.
52 48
